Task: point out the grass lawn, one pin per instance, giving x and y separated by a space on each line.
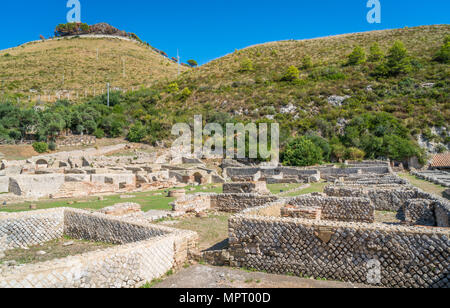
424 185
151 200
212 230
314 187
53 250
279 188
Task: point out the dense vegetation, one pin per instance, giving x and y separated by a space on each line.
395 86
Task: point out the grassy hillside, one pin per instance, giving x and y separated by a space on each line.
224 83
350 106
41 66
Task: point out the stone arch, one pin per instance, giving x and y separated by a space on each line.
199 178
41 162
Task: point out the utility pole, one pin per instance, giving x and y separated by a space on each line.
108 93
97 54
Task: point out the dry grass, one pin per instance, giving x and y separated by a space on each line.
53 250
221 84
212 230
424 185
41 65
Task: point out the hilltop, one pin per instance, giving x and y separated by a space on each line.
82 64
393 98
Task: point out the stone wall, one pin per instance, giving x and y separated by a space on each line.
36 186
147 251
419 212
384 198
103 228
76 141
338 209
245 188
395 198
19 230
232 203
407 256
266 173
4 184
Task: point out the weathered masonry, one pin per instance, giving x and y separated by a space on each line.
403 256
146 251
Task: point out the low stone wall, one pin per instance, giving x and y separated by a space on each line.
396 199
147 251
265 173
245 188
76 141
383 197
420 212
192 203
19 230
338 209
232 203
348 171
354 252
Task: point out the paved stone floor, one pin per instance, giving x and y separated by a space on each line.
204 276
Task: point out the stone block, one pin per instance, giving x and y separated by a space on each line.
36 186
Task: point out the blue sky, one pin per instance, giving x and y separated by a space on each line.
204 30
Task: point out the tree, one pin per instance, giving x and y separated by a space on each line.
192 63
301 152
397 62
358 56
443 55
307 63
321 143
292 74
376 54
355 154
137 132
339 151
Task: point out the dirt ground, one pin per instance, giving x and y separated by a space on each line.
204 276
57 249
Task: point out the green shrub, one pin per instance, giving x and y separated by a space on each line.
321 143
246 65
137 132
397 62
376 54
291 74
443 55
328 73
99 133
358 56
301 152
173 87
355 154
307 63
339 151
40 147
52 146
185 94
